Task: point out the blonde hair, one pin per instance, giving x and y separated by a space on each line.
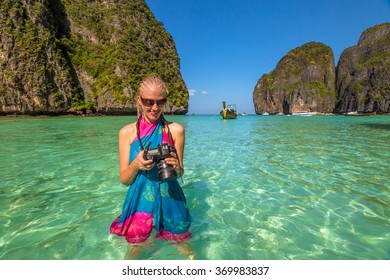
150 83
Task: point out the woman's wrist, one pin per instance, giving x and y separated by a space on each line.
133 167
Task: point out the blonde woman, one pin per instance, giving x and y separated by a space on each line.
152 201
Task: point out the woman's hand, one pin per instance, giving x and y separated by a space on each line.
174 162
141 164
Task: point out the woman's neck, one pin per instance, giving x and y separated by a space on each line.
148 121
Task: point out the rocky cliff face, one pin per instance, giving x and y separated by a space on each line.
35 75
303 81
363 73
59 57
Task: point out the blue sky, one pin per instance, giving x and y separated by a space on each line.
225 46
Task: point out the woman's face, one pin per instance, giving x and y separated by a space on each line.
152 103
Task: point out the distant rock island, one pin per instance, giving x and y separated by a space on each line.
83 57
306 79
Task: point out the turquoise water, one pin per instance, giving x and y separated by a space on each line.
259 187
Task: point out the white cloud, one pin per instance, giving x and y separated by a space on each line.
191 92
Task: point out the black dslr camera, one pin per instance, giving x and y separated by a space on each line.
165 171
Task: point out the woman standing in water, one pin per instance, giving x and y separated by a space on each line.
151 203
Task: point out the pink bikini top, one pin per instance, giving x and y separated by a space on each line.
145 128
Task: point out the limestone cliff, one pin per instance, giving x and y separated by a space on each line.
303 81
363 73
68 56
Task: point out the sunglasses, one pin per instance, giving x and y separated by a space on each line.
151 102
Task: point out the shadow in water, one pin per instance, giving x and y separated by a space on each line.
197 193
377 125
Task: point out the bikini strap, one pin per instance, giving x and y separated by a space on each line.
165 122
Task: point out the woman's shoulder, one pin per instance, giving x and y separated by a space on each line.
176 128
128 130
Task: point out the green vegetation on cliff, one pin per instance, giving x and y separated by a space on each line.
70 55
303 81
123 36
363 73
296 60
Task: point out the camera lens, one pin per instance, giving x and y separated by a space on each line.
165 172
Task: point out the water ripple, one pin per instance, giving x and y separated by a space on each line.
257 187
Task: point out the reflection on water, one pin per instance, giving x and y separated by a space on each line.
258 187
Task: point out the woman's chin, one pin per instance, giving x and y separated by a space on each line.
152 116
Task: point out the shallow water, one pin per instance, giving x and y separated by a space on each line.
259 187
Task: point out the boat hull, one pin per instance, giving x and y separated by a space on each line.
229 115
357 114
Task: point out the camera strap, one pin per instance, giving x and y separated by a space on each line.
138 134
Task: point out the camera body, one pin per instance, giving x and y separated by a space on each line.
165 171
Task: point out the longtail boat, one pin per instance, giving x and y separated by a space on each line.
229 111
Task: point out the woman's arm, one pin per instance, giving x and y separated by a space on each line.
128 171
178 136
